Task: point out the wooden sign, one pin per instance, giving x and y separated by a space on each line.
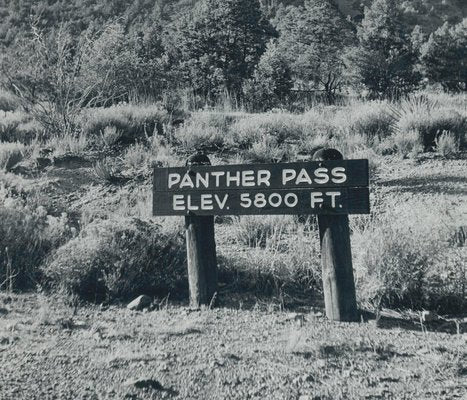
318 187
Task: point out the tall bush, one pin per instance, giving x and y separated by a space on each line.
219 43
27 236
383 61
118 258
444 58
406 258
271 82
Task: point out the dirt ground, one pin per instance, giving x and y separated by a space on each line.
237 351
49 351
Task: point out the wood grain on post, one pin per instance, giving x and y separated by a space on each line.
336 258
201 251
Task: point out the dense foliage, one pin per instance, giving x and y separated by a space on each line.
384 59
66 55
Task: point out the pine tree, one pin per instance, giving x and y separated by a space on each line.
384 60
444 56
312 39
219 44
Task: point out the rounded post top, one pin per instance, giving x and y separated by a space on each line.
198 159
327 154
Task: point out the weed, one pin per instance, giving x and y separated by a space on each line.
408 143
132 122
110 135
68 144
105 170
137 157
10 155
447 144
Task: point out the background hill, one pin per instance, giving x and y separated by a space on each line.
18 14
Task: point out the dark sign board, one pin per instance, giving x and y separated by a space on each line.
317 187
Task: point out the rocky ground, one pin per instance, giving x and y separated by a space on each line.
49 350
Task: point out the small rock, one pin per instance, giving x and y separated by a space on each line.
3 311
139 303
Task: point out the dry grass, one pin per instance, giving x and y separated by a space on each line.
11 154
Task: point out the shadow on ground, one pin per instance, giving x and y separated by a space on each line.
446 184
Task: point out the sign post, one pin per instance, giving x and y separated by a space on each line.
201 250
336 259
329 186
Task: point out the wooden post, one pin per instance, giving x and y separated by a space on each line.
336 258
201 251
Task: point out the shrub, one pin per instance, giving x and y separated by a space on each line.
431 125
286 262
404 258
163 155
447 144
8 102
256 231
68 144
120 257
133 122
429 118
28 131
110 135
194 138
206 130
370 119
408 144
17 126
27 236
10 155
266 150
137 157
280 126
105 169
347 143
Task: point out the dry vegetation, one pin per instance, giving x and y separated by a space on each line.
76 220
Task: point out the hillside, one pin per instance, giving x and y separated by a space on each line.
16 16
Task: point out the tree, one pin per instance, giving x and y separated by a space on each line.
219 43
384 60
124 66
111 64
43 70
312 38
444 56
271 82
